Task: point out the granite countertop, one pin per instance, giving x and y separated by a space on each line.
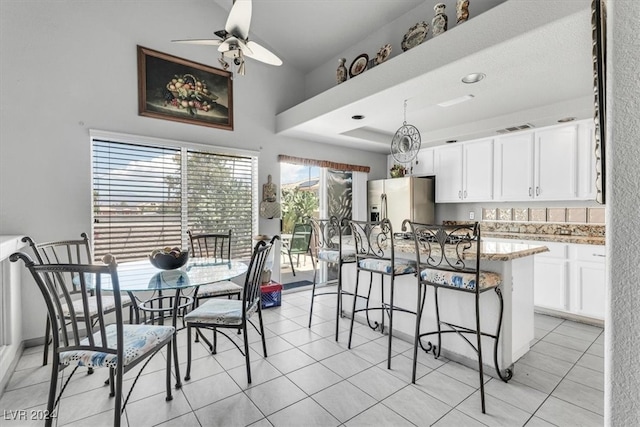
560 238
490 250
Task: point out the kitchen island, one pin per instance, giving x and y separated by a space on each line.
513 261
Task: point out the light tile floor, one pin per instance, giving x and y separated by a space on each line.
311 380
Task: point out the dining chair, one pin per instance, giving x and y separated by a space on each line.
375 254
74 251
327 248
77 341
298 244
218 247
217 314
449 260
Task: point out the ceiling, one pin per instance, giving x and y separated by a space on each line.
537 63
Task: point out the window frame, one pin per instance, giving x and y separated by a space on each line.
184 146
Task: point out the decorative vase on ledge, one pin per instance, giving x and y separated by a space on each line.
397 171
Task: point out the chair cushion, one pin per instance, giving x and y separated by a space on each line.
138 341
332 255
457 279
220 312
225 287
384 266
108 304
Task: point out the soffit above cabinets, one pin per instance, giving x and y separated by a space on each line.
537 62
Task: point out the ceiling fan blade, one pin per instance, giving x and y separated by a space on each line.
208 42
261 54
239 19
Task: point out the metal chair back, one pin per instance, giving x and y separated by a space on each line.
210 245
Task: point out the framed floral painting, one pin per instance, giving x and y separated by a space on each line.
177 89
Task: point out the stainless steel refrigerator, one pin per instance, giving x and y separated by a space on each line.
398 199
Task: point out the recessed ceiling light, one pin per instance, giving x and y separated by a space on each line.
455 101
473 78
566 119
357 117
451 141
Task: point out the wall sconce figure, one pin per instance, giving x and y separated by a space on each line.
269 207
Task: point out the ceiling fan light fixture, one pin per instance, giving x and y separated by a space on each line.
473 78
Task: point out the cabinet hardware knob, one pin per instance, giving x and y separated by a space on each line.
537 191
530 192
465 194
460 194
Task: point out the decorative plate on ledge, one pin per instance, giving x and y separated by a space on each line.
359 65
416 35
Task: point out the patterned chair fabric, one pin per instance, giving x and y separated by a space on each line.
138 341
220 312
226 287
384 266
461 280
332 255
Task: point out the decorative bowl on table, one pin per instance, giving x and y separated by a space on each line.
168 258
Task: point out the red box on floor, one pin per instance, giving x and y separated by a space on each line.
271 295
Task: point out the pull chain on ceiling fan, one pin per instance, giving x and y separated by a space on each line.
406 141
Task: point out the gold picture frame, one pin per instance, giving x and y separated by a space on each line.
173 88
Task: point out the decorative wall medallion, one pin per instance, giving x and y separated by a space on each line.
359 65
383 54
416 35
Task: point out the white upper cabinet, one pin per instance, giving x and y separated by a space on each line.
555 173
464 172
548 164
514 167
423 165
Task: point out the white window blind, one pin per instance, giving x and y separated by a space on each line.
146 197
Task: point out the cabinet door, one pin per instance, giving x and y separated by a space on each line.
449 173
478 171
590 289
513 167
555 159
423 164
550 283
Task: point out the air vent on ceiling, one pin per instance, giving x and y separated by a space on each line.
515 128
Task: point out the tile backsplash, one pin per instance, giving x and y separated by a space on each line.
556 215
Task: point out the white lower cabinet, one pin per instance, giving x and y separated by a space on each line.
551 278
588 280
570 278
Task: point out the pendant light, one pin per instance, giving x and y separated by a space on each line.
406 141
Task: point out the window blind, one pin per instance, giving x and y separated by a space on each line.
146 197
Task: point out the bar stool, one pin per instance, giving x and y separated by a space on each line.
449 260
375 254
327 248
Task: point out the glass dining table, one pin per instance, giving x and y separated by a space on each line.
167 298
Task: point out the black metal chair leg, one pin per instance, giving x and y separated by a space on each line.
436 351
390 321
313 294
168 375
246 352
187 377
118 402
112 387
264 341
47 339
338 304
416 339
353 312
53 385
479 338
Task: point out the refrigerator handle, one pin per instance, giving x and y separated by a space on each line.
383 204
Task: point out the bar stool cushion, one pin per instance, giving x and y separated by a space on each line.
225 287
457 279
220 312
331 255
138 341
384 266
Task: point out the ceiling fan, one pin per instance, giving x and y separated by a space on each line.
234 40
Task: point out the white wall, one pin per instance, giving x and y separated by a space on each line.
622 332
70 66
